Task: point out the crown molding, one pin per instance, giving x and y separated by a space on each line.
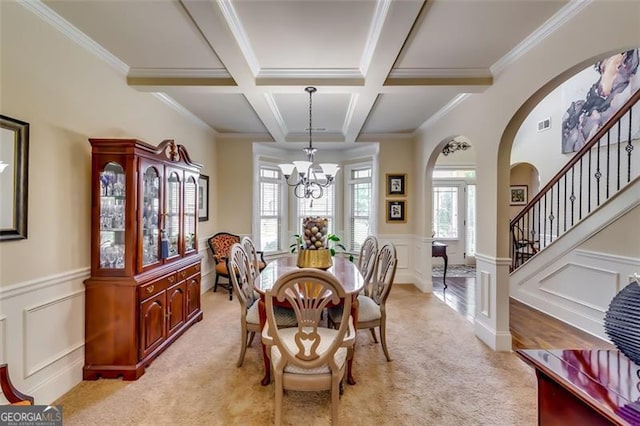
564 15
444 110
271 103
233 21
440 73
253 137
377 137
65 27
183 111
379 16
140 72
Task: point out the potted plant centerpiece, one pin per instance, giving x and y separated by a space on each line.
315 246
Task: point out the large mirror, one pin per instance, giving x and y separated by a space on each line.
14 158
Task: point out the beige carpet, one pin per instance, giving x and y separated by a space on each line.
441 374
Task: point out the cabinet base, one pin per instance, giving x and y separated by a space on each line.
134 372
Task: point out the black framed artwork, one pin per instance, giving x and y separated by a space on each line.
396 211
14 172
203 198
519 195
396 184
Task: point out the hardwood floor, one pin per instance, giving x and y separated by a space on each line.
530 328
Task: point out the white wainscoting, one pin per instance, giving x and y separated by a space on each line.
51 331
405 250
43 337
42 330
576 287
3 339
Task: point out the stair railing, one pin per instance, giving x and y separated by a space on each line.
596 172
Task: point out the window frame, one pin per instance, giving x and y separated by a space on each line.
348 200
283 207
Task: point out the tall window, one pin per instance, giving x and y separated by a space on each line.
271 208
323 207
359 205
445 211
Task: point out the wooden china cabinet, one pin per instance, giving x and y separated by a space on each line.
144 289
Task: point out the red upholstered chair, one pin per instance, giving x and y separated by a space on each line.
12 395
220 245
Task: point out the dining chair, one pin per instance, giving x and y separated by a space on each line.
220 246
242 282
308 357
372 310
367 258
257 264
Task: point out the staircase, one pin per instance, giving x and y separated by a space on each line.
604 166
559 264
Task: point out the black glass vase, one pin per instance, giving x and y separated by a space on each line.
622 321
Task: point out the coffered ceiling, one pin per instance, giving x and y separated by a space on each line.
382 68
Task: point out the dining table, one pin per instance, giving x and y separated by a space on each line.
343 269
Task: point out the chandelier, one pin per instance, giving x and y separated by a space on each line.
308 182
454 145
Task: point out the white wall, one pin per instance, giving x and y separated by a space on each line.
67 95
490 120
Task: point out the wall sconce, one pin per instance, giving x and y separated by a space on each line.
453 146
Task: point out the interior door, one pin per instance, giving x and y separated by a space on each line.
454 219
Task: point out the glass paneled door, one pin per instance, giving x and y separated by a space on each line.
454 219
171 224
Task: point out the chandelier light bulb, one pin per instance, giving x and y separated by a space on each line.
306 183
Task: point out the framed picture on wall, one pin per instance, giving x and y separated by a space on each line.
396 211
519 195
396 184
14 172
203 198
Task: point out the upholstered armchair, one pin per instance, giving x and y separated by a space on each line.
220 245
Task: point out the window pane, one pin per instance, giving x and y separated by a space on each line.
322 207
445 212
360 231
269 199
361 173
444 174
269 173
471 220
269 233
271 189
361 198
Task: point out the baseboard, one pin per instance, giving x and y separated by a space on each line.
497 341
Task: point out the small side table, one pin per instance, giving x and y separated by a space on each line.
440 250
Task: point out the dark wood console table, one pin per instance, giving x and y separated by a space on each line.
585 387
440 250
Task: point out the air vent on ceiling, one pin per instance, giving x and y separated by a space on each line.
544 124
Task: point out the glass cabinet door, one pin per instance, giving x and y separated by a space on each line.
172 222
112 216
190 214
150 216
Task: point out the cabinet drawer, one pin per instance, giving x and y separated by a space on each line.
154 287
187 272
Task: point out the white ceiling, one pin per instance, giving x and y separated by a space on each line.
381 67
